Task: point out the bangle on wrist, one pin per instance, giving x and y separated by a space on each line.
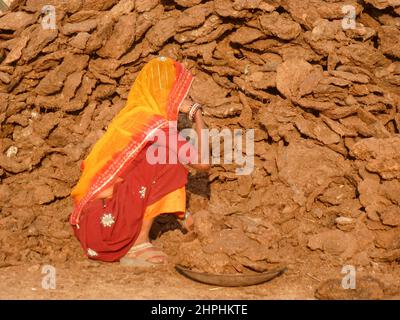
192 112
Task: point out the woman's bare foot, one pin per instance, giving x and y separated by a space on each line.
145 254
142 250
188 223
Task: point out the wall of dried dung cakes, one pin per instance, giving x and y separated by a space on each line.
5 4
323 100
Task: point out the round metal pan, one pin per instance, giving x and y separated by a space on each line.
230 280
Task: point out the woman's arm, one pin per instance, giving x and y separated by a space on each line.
187 153
199 126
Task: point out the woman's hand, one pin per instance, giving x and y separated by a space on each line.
186 105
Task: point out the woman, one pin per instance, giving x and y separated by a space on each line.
120 191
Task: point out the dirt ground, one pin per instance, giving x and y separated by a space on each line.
85 279
115 282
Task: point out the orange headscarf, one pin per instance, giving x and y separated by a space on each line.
154 99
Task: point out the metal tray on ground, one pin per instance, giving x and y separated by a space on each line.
230 280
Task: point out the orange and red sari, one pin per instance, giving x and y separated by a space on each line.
107 228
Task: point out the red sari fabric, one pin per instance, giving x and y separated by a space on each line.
109 227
